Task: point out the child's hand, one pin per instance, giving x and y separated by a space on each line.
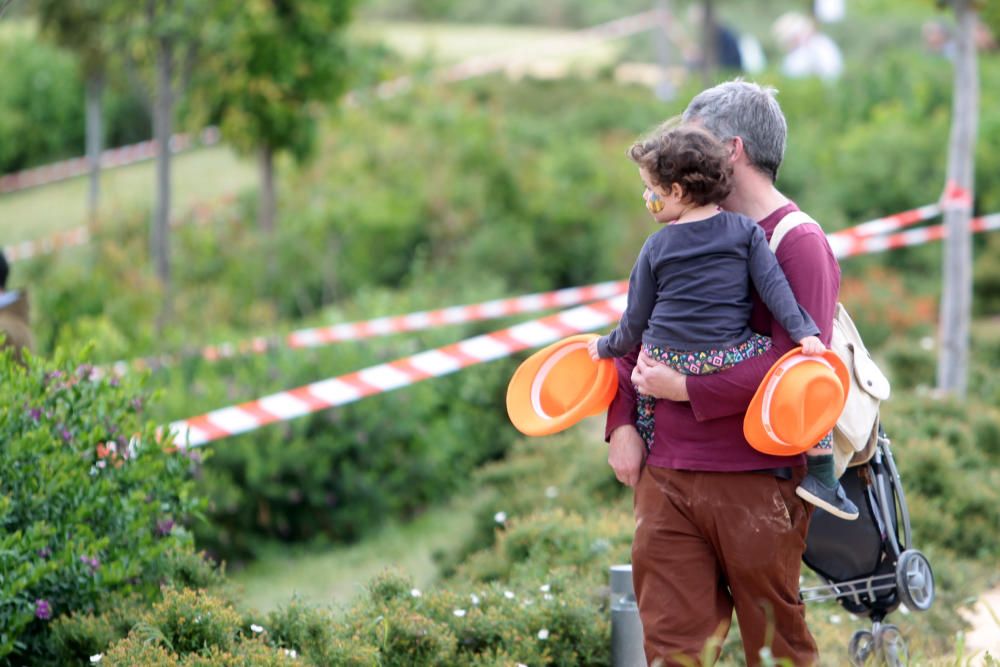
592 348
812 346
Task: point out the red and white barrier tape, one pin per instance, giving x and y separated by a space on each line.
351 387
403 372
844 246
113 157
382 326
27 249
200 213
890 223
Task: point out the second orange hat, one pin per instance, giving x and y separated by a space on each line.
797 404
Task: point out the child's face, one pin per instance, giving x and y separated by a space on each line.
664 205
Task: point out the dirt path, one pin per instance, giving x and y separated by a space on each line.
985 633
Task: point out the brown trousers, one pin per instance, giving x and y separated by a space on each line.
707 543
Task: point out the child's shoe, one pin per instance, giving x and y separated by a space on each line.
833 500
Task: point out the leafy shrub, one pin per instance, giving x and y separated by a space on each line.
909 365
42 105
91 505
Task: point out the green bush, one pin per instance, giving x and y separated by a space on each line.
91 505
42 105
190 628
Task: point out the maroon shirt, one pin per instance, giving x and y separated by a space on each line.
707 433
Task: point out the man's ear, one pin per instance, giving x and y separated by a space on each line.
736 149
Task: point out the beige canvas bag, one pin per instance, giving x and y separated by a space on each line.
856 432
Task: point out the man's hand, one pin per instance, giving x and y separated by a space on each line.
659 380
626 454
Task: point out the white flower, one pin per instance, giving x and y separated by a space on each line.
521 664
459 612
500 517
545 588
528 603
509 595
94 659
549 596
551 492
543 634
256 628
415 592
927 343
291 653
835 619
475 599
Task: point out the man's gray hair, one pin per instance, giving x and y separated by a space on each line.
746 110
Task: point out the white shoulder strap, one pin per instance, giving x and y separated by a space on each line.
787 224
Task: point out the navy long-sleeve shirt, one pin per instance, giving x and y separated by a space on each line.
690 288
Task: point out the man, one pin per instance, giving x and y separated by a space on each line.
13 315
718 524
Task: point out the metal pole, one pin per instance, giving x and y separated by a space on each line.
626 628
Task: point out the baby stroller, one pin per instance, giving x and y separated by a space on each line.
869 564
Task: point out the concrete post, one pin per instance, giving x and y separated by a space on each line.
626 628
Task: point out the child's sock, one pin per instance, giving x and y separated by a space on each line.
821 467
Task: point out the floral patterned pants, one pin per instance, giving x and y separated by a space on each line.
701 362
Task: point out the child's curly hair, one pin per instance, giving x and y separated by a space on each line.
689 156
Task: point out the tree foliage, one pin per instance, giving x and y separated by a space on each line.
273 62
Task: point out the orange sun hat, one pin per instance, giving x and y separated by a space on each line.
797 404
558 386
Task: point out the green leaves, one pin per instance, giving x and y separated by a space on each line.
268 65
80 499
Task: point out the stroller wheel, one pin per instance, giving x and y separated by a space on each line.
915 580
889 642
861 647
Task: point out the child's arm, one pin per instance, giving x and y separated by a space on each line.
813 273
638 308
777 295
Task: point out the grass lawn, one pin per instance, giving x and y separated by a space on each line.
199 175
335 576
449 43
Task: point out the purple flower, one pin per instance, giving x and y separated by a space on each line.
44 552
36 414
43 609
84 371
114 381
137 404
66 435
94 563
164 526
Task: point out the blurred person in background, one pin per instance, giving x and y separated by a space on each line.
938 39
730 50
808 52
14 319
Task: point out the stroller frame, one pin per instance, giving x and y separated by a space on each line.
901 575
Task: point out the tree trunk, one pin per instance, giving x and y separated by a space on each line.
664 88
95 142
710 44
956 293
163 110
267 205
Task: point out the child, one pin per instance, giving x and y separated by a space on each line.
689 295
